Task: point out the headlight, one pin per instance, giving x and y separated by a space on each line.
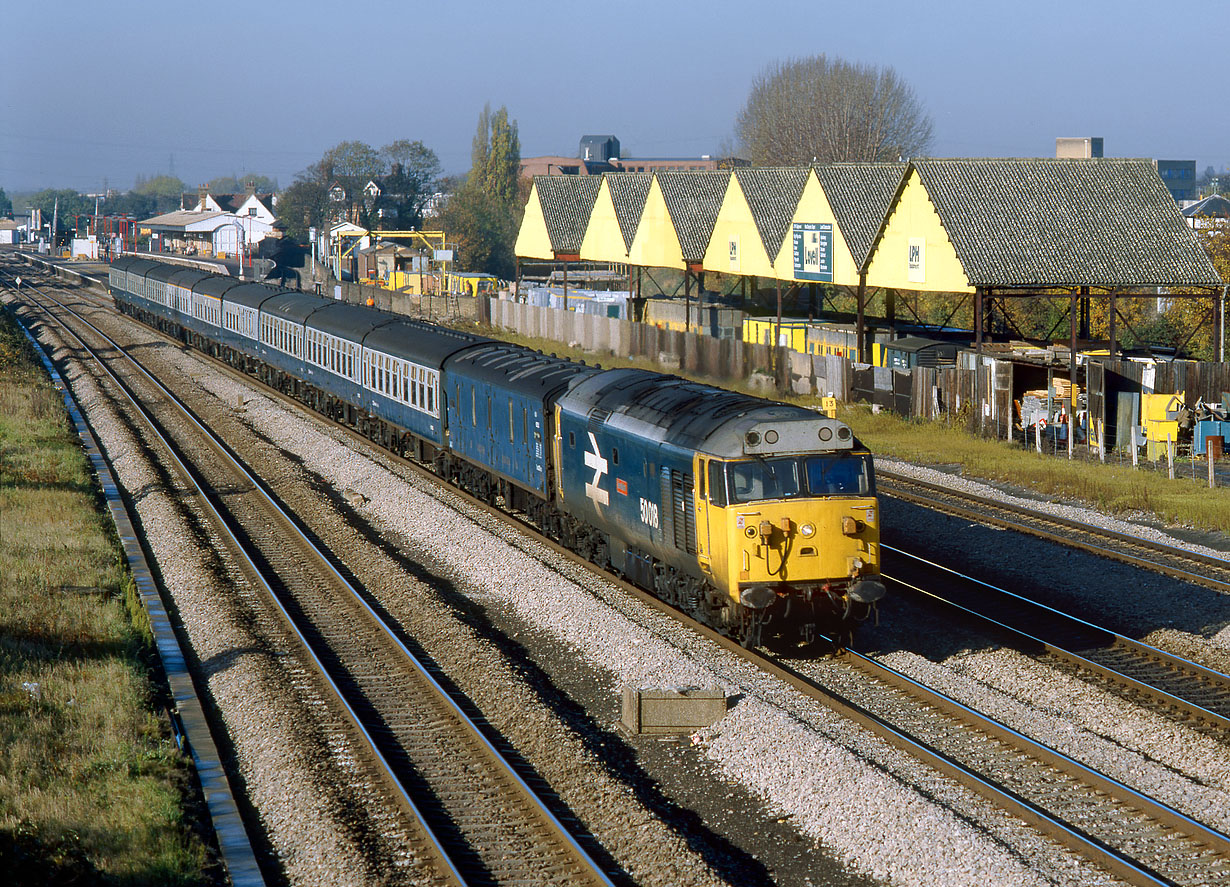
807 531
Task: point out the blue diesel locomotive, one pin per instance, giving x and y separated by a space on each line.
757 517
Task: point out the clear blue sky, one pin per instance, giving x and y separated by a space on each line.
94 91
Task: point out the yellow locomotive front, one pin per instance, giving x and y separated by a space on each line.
790 529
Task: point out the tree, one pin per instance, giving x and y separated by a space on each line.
412 172
302 206
6 205
483 214
233 184
830 110
166 192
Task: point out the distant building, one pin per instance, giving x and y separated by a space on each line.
1078 148
1203 213
599 148
597 154
1179 176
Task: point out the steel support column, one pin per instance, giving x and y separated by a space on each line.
860 328
1219 324
1073 308
1114 343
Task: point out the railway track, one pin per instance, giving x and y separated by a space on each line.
1197 695
479 815
1131 835
1149 554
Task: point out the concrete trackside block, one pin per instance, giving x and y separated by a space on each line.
678 710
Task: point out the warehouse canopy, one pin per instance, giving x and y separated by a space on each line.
1032 224
556 216
616 214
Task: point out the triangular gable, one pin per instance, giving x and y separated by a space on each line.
533 241
814 248
736 245
629 190
604 240
656 245
860 195
692 200
913 250
566 203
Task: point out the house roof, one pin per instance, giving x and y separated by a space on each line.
1052 222
1214 206
859 194
566 203
693 200
628 193
773 196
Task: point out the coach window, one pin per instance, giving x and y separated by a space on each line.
614 455
431 399
572 440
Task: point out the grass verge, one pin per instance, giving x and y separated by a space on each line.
92 789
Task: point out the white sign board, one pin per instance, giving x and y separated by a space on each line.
916 260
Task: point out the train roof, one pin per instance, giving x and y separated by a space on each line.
423 343
517 368
347 320
188 278
216 285
699 417
127 263
162 271
252 295
292 305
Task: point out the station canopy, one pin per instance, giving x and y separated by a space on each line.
1032 224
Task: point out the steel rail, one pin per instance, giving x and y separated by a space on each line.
1193 671
946 505
1113 860
594 871
189 722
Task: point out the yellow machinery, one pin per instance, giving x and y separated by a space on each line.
1160 415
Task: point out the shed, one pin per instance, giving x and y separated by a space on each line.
915 351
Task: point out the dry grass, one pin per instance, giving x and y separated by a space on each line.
91 788
1111 488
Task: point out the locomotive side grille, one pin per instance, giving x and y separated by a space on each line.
679 524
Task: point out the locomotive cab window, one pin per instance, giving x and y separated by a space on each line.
717 484
572 439
614 455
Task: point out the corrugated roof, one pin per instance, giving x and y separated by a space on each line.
860 194
181 217
1213 206
693 200
566 203
1052 222
773 195
628 193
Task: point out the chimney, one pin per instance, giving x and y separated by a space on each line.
250 187
201 193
